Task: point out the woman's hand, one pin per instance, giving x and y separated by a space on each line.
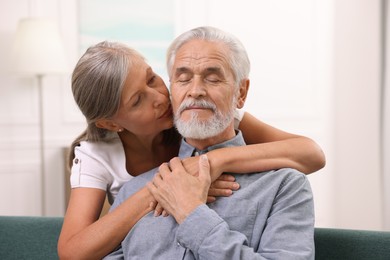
222 187
159 210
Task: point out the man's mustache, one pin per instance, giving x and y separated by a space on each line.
199 103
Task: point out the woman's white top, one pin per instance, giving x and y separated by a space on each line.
102 165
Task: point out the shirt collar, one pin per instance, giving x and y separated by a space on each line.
187 150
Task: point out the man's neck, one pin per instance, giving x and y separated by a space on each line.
202 144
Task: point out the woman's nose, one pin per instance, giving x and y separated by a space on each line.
159 98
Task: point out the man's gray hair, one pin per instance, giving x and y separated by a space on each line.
238 57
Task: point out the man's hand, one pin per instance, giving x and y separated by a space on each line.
222 186
178 192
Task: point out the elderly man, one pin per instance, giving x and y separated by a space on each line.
271 216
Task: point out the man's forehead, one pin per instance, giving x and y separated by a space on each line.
207 62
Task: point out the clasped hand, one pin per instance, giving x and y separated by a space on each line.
181 186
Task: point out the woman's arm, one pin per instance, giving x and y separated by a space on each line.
268 148
81 223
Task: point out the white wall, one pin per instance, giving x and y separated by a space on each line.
19 118
315 71
386 119
357 113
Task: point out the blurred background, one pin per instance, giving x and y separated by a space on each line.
318 69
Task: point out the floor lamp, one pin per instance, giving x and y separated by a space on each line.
38 51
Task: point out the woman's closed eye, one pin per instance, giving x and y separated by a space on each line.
152 80
137 100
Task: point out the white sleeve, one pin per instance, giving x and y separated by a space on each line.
238 115
87 172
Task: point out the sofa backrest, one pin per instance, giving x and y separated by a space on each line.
37 237
29 237
347 244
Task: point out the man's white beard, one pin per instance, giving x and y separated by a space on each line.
202 129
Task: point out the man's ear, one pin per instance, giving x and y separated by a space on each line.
107 124
242 92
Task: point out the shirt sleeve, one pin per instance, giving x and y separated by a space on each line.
88 172
208 236
289 233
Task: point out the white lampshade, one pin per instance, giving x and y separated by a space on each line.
38 48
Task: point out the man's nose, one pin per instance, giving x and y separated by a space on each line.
197 88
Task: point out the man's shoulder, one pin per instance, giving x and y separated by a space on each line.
273 178
281 173
138 181
289 173
288 178
133 185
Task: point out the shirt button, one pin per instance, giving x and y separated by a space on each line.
76 161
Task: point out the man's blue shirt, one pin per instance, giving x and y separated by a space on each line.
271 216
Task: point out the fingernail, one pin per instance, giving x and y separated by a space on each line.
236 186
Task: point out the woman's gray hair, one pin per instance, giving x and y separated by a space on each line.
97 83
238 57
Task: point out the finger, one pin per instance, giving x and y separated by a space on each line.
191 164
152 188
163 170
220 192
152 205
226 177
204 167
211 199
165 213
225 185
157 179
158 210
176 165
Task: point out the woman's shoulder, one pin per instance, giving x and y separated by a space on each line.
100 148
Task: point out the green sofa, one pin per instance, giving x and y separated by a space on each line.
36 238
